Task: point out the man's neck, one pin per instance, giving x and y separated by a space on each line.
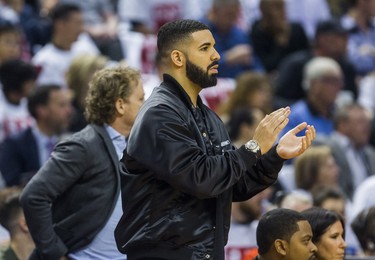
44 129
13 98
61 43
120 127
191 89
322 109
22 246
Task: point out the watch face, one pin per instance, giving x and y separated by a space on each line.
252 146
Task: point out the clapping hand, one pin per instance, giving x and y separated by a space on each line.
270 127
291 145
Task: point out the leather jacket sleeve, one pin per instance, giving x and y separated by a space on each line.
182 162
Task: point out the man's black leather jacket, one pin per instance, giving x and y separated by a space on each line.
180 176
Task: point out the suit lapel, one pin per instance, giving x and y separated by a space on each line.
110 148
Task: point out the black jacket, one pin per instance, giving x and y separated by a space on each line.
182 173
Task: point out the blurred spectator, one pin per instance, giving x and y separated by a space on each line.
10 42
78 76
244 221
364 228
331 42
274 37
241 124
22 154
309 13
20 12
364 195
329 197
232 42
252 90
297 200
366 95
338 8
100 21
350 146
250 13
328 228
284 234
38 25
359 21
366 98
12 218
148 16
55 57
17 78
322 81
316 167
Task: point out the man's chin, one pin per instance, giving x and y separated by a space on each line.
210 85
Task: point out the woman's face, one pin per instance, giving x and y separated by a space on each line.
331 245
261 98
328 172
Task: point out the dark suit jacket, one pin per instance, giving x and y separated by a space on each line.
19 158
72 196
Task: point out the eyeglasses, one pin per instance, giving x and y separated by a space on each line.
331 80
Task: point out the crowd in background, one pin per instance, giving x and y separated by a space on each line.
316 56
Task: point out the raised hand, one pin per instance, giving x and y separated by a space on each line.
291 145
270 127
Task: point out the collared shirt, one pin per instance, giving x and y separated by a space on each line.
103 247
118 140
44 143
302 112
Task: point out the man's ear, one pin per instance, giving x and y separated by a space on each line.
281 246
22 224
177 58
120 106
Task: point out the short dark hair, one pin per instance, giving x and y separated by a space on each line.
330 27
10 207
62 11
323 192
173 33
7 27
14 73
237 117
341 114
278 223
320 220
40 97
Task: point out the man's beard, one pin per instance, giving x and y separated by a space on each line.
199 76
